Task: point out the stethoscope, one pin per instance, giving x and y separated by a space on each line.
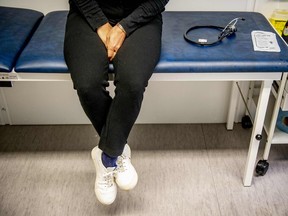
226 31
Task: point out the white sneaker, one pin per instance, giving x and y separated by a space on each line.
126 176
105 187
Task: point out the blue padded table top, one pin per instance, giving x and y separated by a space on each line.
16 28
44 53
234 54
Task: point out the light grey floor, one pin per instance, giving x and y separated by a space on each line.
183 170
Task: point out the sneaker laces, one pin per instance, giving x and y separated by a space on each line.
108 179
122 163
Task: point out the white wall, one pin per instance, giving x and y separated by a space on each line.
266 7
165 102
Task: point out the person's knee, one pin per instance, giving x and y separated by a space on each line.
86 94
90 93
132 87
87 86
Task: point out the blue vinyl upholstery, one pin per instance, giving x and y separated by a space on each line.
234 54
44 53
16 27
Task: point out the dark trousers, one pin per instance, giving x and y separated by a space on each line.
86 58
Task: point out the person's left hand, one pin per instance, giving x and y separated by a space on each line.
114 41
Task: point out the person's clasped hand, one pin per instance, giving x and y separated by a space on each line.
112 37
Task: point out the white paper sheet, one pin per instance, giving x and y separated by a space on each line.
265 41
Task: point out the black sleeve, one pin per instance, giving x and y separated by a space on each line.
143 14
91 11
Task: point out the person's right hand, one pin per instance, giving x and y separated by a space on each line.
103 31
114 41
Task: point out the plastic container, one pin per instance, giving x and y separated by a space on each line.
278 19
282 121
285 32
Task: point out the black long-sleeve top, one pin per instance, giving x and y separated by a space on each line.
131 14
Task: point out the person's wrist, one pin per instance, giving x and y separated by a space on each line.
121 28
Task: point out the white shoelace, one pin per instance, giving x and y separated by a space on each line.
108 179
122 164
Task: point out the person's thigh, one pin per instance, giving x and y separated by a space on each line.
85 54
136 59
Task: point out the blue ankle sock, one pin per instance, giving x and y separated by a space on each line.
108 161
